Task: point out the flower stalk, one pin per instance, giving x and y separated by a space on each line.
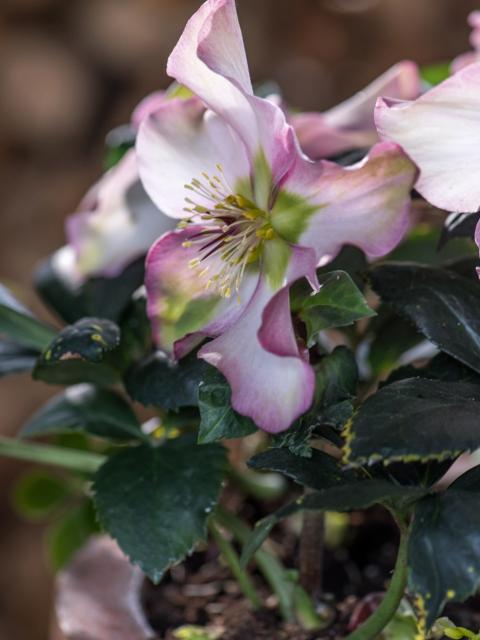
379 619
81 461
231 558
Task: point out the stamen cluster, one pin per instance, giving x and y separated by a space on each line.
234 232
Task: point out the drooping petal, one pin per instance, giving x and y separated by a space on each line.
325 206
259 356
439 132
210 60
179 303
178 143
119 226
351 125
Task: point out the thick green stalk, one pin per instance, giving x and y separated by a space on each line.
83 461
379 619
231 558
274 573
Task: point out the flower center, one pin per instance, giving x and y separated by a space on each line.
234 232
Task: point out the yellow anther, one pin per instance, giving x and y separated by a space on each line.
194 263
187 244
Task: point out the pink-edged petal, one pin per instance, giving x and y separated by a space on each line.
439 132
350 124
271 382
179 304
120 226
178 143
463 60
318 139
147 106
325 206
210 60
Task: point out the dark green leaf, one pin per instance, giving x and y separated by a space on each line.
444 548
88 339
19 325
15 359
412 420
156 501
423 245
336 378
218 420
97 297
70 533
443 305
348 495
67 372
296 439
83 407
338 303
392 336
459 225
78 354
156 381
37 494
320 471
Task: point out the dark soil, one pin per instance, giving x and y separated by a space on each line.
201 591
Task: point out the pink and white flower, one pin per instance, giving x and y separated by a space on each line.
350 125
439 131
116 221
256 216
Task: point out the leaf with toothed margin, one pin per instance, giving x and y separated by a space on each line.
338 303
18 324
444 546
320 471
415 419
442 304
155 501
350 494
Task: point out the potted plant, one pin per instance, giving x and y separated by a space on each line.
301 341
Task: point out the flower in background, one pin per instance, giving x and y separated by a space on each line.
116 221
257 215
350 125
439 131
471 56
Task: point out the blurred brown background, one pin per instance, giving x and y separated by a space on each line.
72 69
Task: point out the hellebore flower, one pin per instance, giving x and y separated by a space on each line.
439 132
258 215
350 125
465 59
116 221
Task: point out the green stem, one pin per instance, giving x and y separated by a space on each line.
231 558
273 571
83 461
379 619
